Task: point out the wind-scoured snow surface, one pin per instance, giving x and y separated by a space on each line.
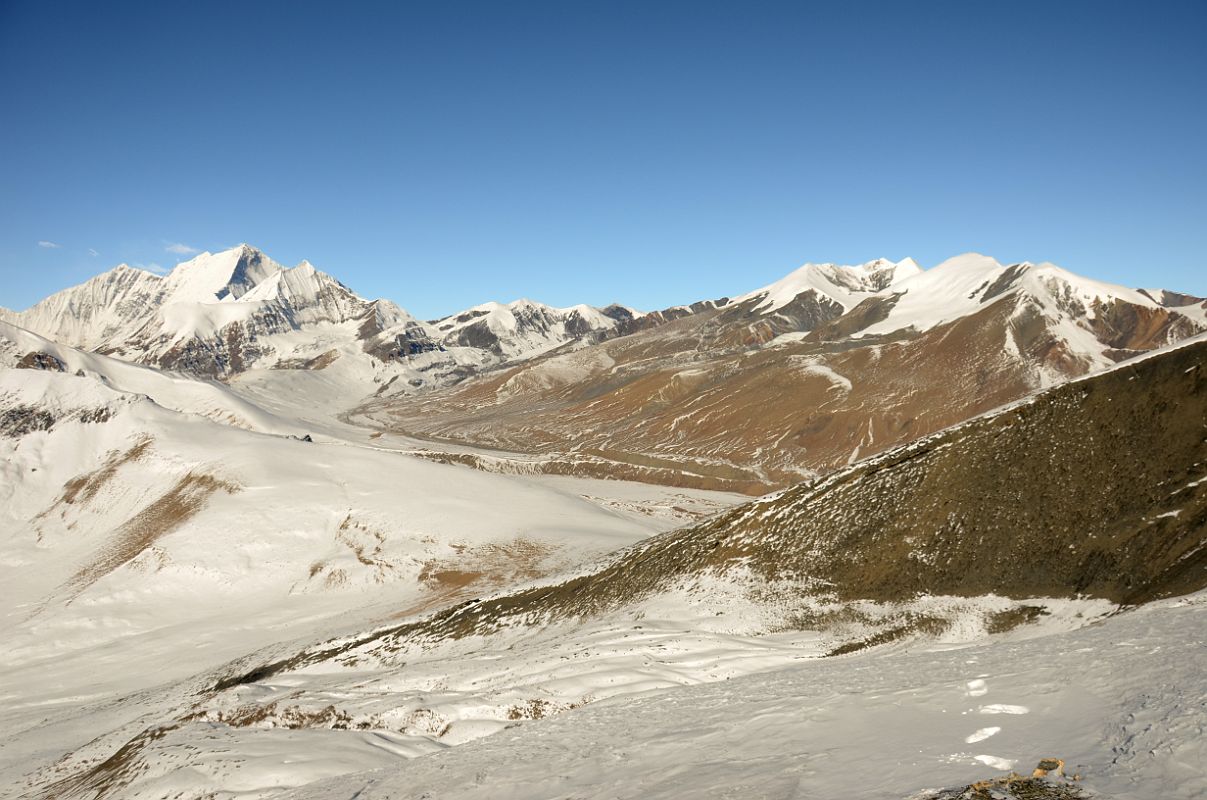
141 544
1122 702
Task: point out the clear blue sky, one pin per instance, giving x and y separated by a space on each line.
442 154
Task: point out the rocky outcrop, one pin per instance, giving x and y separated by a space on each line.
1046 782
44 361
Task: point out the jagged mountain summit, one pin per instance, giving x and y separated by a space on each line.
221 314
524 328
832 284
218 315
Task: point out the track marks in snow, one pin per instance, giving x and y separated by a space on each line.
996 763
981 735
977 688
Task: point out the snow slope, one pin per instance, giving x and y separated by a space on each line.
208 399
847 571
131 534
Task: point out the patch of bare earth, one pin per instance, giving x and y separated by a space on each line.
321 361
83 488
477 571
160 517
107 777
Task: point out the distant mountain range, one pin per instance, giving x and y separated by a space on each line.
222 314
829 364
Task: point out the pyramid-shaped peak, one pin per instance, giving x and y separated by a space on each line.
225 275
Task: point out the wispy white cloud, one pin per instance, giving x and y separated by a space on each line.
181 249
92 252
153 267
50 245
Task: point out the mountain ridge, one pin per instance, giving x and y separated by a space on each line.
807 298
791 380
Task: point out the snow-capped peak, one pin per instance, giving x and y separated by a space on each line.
845 284
964 284
213 277
124 267
905 268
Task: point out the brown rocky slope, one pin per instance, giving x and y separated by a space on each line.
696 403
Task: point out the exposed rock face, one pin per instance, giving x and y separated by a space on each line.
1174 299
1012 787
44 361
18 420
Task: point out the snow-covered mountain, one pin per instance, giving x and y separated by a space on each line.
216 314
227 313
1087 319
523 329
110 307
828 364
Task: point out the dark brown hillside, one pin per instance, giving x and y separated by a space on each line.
1095 488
